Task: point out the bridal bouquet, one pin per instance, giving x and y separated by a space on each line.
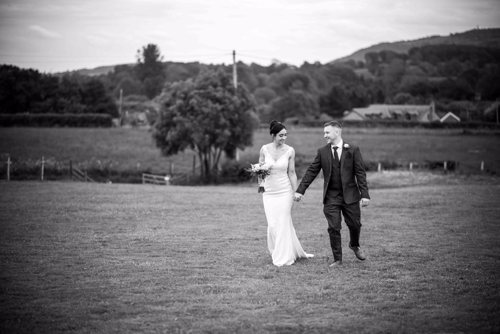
261 170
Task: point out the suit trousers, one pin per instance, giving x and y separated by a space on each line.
333 207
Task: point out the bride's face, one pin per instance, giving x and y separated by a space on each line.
280 137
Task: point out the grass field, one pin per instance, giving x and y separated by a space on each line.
133 149
122 258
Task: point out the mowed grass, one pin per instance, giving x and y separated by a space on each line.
122 148
134 149
122 258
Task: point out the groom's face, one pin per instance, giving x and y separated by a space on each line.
331 133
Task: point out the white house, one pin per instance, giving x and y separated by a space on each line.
450 118
402 112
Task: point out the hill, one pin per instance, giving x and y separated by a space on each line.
101 70
476 37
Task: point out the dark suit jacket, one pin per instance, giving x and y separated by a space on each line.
352 173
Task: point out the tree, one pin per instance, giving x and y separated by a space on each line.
19 89
392 74
150 69
264 95
489 83
96 99
457 89
295 103
206 115
335 102
290 79
402 98
129 86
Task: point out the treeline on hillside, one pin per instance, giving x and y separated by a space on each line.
27 91
444 72
461 79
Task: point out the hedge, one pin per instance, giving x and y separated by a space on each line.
408 124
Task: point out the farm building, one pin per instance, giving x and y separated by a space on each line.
398 112
450 118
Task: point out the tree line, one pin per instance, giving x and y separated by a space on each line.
462 79
29 91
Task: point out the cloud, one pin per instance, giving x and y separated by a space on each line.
294 31
41 31
97 40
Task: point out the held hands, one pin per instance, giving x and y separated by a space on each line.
297 197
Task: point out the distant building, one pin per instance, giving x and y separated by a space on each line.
397 112
450 118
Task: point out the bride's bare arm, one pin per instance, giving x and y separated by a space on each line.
262 158
291 170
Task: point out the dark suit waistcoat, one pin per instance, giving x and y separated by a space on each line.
352 173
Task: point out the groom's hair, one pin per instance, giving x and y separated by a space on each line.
336 124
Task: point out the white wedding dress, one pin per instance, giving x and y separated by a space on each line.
282 240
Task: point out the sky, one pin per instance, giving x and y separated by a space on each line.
60 35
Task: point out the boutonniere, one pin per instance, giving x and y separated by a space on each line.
346 145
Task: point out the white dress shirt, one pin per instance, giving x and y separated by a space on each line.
340 145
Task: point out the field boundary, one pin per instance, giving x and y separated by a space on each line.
155 179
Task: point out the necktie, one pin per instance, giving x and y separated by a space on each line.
335 154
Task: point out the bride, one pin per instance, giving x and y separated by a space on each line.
279 187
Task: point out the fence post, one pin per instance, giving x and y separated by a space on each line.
411 166
8 168
43 168
379 167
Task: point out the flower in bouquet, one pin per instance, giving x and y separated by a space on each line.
261 170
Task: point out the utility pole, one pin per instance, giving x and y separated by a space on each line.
235 83
121 107
497 111
235 78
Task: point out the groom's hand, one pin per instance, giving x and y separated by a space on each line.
297 197
365 202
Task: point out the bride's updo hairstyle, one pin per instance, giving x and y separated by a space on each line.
275 127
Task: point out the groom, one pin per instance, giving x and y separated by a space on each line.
344 190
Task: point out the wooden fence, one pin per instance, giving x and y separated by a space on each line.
182 178
78 174
155 179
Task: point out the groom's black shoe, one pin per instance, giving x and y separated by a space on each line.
358 252
336 264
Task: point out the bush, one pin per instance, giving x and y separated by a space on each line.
234 172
